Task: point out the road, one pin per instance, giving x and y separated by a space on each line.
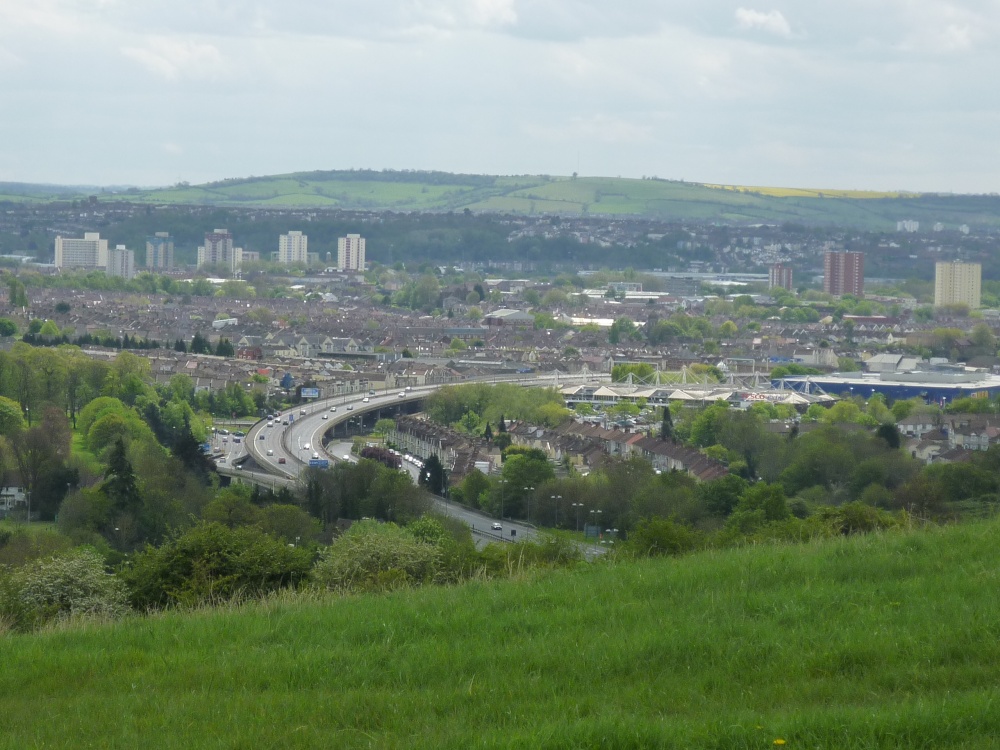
282 447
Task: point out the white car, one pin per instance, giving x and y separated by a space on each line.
365 400
326 416
333 408
497 526
305 447
402 395
350 407
270 452
315 455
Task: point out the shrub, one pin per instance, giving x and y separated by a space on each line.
70 584
655 537
211 562
374 556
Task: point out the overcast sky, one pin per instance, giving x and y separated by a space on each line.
875 94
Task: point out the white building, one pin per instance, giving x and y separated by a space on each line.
90 252
160 251
351 253
218 250
957 284
121 262
293 248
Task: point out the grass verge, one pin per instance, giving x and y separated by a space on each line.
884 641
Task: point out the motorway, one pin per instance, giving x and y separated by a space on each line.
283 451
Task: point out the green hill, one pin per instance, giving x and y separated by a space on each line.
569 196
882 641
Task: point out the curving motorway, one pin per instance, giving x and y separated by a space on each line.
283 450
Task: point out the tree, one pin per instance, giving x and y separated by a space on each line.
225 348
7 327
122 491
180 346
11 418
432 476
384 426
200 345
666 424
621 329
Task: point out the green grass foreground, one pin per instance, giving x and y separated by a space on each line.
885 641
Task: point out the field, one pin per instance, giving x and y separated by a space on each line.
568 196
868 642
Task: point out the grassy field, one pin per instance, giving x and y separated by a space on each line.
877 642
568 196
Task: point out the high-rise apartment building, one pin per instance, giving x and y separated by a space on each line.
90 252
351 253
293 248
844 273
160 251
218 250
957 284
779 277
121 262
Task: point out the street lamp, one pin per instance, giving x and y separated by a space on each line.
502 482
578 507
555 501
529 490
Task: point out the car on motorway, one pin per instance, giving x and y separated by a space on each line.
262 436
281 460
402 395
302 411
497 526
270 451
239 434
333 408
305 447
223 432
371 392
285 422
222 460
365 400
326 416
315 454
350 407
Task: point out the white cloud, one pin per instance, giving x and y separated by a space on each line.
773 22
173 59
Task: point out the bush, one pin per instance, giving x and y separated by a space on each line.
210 562
655 537
71 584
511 559
374 556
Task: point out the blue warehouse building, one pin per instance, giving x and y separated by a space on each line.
933 386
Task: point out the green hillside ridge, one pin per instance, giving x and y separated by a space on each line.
878 641
569 196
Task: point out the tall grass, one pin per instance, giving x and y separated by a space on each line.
884 641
